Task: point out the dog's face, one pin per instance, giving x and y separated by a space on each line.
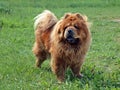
73 29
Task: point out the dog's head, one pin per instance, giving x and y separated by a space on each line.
72 29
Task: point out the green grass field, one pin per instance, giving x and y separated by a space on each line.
17 63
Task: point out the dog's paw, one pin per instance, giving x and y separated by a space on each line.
79 76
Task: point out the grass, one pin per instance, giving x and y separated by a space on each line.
102 66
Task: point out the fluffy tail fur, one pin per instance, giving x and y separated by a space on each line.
45 20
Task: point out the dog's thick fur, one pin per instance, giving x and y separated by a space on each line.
66 41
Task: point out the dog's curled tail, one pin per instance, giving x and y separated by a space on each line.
45 20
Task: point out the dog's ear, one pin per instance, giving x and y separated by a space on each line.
85 18
81 17
66 15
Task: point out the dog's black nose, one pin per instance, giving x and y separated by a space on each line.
70 32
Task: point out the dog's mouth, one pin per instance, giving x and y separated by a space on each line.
72 40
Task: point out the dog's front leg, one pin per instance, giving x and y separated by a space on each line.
76 69
58 67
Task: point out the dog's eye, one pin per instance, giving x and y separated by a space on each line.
59 32
65 27
76 26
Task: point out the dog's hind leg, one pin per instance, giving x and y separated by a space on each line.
40 58
40 54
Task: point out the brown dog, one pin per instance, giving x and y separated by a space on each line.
66 41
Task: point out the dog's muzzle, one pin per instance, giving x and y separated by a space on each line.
70 37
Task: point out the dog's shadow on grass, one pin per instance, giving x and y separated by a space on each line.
47 69
69 76
89 74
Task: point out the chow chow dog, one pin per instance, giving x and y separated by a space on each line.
65 41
